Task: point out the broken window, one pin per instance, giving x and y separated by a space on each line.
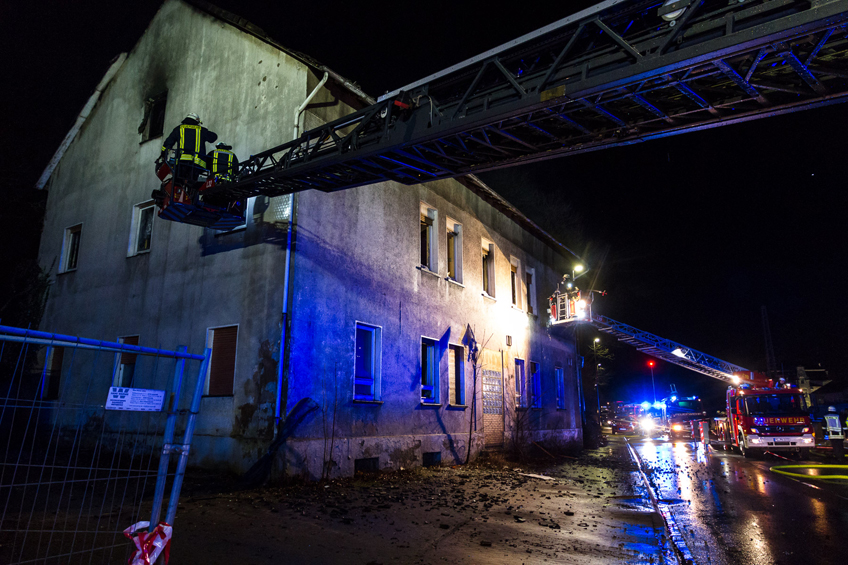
520 384
222 365
429 245
153 122
488 268
429 371
456 375
126 363
559 375
530 290
535 385
366 376
70 249
141 231
454 250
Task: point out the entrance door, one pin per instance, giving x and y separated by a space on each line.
493 400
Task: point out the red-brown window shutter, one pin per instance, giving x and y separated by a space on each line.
223 363
129 358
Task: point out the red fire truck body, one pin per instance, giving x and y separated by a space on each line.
763 417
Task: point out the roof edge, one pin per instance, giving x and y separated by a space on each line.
251 29
484 191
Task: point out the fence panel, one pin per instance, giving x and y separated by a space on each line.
86 442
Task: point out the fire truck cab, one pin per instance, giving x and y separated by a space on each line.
766 418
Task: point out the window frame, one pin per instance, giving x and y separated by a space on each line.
376 362
150 109
64 258
135 227
520 383
453 246
535 388
531 305
426 212
458 351
210 344
487 275
515 282
118 372
559 377
434 375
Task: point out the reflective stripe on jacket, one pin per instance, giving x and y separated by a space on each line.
221 162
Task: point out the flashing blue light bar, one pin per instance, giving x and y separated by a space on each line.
659 405
646 405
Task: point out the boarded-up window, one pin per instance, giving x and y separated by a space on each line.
560 387
222 367
456 375
126 366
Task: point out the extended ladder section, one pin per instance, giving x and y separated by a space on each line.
621 72
668 350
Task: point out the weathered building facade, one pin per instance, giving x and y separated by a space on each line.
386 283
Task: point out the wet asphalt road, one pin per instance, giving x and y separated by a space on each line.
735 510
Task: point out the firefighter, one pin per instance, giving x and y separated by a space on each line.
192 138
222 162
834 433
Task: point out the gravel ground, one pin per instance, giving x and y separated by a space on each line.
585 509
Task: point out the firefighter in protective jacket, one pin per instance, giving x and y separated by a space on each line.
192 138
222 162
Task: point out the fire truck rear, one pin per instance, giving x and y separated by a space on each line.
764 416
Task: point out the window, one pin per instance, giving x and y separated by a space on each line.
367 355
141 230
488 268
126 363
52 373
70 249
454 250
515 281
456 374
535 385
429 245
153 122
530 290
222 366
520 384
429 371
559 375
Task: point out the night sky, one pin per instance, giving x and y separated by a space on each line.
690 235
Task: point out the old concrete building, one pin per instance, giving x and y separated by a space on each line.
386 282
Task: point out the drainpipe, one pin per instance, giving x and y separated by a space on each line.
278 414
306 102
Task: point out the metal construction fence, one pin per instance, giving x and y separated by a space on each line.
87 431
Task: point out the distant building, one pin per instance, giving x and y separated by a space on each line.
384 280
810 381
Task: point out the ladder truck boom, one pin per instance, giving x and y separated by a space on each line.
761 414
620 72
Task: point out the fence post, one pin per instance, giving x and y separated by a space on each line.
189 431
162 476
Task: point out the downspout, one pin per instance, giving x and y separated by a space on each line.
306 102
284 338
83 115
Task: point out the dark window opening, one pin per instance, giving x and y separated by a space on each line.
126 368
429 371
431 459
528 284
153 123
366 465
53 373
426 230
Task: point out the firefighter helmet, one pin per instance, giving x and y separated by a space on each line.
193 116
223 145
831 408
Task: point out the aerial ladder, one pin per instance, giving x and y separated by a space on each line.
618 73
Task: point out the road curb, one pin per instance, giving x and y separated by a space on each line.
681 550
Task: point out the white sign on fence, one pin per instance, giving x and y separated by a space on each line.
135 399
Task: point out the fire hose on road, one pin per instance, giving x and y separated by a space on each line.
779 469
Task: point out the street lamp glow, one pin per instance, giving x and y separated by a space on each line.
578 268
597 339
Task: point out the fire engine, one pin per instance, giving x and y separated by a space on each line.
765 416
